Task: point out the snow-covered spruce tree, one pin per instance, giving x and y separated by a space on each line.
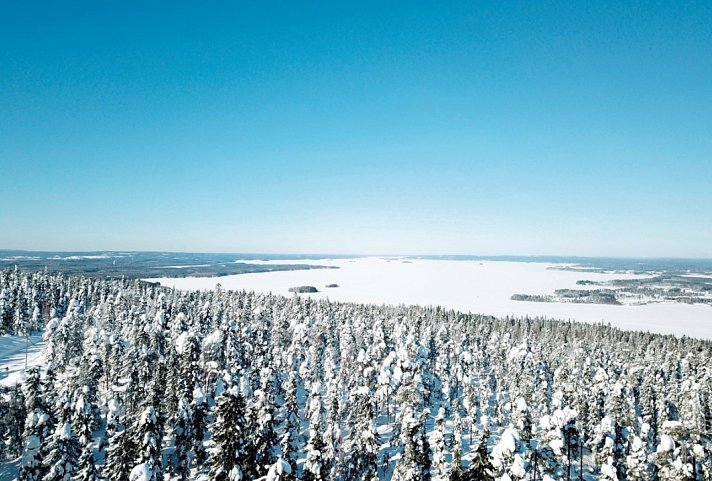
609 449
264 437
696 439
63 447
135 390
671 458
115 352
21 318
199 421
507 456
362 447
425 455
316 466
480 467
38 426
13 419
119 455
456 470
183 440
558 444
83 417
7 311
415 462
189 360
571 439
121 451
522 420
472 400
34 393
87 469
290 440
332 431
637 461
231 454
31 468
280 471
4 427
147 437
439 465
91 370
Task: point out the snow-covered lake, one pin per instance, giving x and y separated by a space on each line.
470 286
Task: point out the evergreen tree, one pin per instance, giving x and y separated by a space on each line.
31 468
13 419
229 457
148 440
415 461
198 423
439 445
457 472
183 440
507 456
480 467
636 461
61 463
264 436
362 450
86 466
315 466
38 425
121 451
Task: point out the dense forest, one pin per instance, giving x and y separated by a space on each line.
142 265
145 383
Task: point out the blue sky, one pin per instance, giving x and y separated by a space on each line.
570 128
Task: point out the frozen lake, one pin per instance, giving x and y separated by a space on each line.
470 286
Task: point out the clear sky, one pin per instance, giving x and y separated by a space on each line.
571 128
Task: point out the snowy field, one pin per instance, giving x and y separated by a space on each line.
12 357
470 286
12 371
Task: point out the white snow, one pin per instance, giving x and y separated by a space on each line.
214 338
671 425
181 267
666 444
608 472
78 258
506 446
141 472
702 275
12 357
470 286
181 342
277 469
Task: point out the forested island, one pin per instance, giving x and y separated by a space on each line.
137 265
657 287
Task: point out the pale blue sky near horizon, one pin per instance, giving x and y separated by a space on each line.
484 128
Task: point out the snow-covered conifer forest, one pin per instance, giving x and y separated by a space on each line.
140 382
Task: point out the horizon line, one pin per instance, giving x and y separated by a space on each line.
332 254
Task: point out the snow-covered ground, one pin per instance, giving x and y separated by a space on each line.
12 357
12 371
701 275
471 286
